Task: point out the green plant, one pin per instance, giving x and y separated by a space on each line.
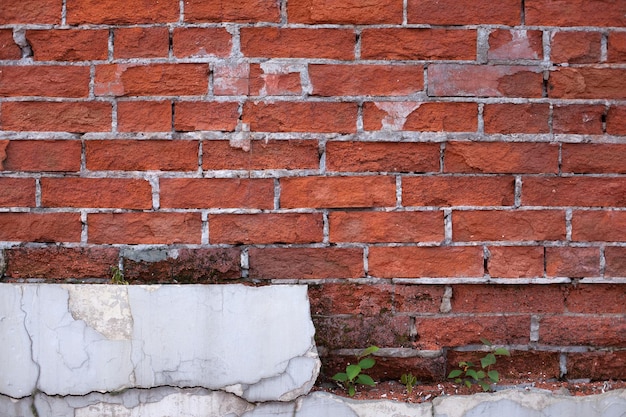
353 375
409 380
469 372
117 276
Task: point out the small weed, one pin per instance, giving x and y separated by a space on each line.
409 381
117 276
470 374
353 375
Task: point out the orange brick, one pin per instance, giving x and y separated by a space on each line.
120 12
517 118
515 262
205 115
144 116
421 117
351 12
574 191
42 155
69 44
40 227
96 192
515 44
152 42
451 12
576 47
458 191
524 298
77 117
17 192
576 13
142 155
232 11
51 81
593 158
190 42
217 193
8 47
600 83
30 12
265 228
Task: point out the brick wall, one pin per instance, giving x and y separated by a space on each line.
437 171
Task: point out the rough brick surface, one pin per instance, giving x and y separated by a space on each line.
515 262
354 12
450 12
217 192
295 43
585 158
598 225
31 11
576 47
572 262
589 83
412 44
42 155
144 116
580 119
144 228
203 115
96 193
358 332
202 11
575 191
51 81
421 117
508 299
8 47
517 118
201 42
40 227
69 45
515 44
597 365
261 155
575 13
121 12
127 155
77 117
589 330
265 228
616 47
615 261
17 192
458 191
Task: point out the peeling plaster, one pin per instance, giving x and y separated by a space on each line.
397 113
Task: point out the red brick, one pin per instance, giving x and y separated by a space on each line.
593 158
583 330
120 12
430 262
468 330
597 299
517 118
143 155
266 228
17 192
501 157
599 226
96 192
421 117
517 225
582 119
532 365
418 299
597 366
205 115
217 193
332 299
30 12
284 116
232 11
515 44
56 262
76 117
151 42
351 12
451 12
359 332
201 42
42 155
615 261
144 228
377 227
572 262
616 120
412 44
575 13
515 262
382 156
231 78
484 81
8 47
157 79
327 192
274 81
186 266
296 43
600 83
262 155
69 44
576 47
536 299
51 81
458 191
574 191
616 47
144 116
40 227
306 263
366 80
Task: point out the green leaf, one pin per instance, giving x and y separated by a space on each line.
352 371
480 375
493 376
468 384
458 380
472 374
365 380
464 364
367 363
341 377
369 351
455 373
485 341
502 352
485 386
351 391
490 359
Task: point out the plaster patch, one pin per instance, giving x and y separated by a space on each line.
241 138
397 112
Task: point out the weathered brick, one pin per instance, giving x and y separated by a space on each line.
598 226
517 118
42 155
518 225
536 299
501 157
530 365
231 78
515 44
274 81
377 227
77 117
205 115
296 43
265 228
8 47
451 12
366 80
410 43
261 155
616 120
575 13
217 193
334 299
593 158
600 83
418 299
57 262
232 11
418 262
382 157
388 368
201 42
359 332
583 330
616 47
305 263
351 12
596 299
574 191
120 12
17 192
144 155
572 262
327 192
615 257
30 12
144 116
96 192
429 117
144 228
40 227
69 44
576 47
284 116
582 119
141 42
515 262
458 191
49 80
597 366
